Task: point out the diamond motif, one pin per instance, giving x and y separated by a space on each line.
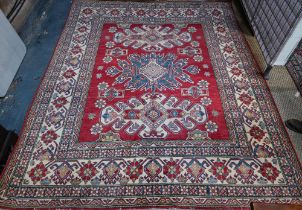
153 71
154 114
152 37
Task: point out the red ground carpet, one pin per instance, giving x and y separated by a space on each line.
151 105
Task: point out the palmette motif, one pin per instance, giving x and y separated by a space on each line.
155 114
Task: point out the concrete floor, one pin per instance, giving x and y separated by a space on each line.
40 34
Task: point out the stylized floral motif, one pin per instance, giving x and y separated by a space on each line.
211 127
115 12
100 103
103 86
69 74
134 170
76 49
112 29
98 76
49 136
91 116
257 133
220 170
220 29
141 12
198 58
192 29
241 84
64 87
107 59
205 101
245 98
262 151
269 171
195 44
43 155
87 171
216 12
37 173
110 44
60 102
228 49
87 11
172 169
251 115
73 61
55 119
82 29
203 84
96 129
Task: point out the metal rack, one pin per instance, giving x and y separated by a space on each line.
272 22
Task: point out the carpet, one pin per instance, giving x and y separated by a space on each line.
294 66
151 105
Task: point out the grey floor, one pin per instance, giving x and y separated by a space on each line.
40 34
43 29
284 93
283 89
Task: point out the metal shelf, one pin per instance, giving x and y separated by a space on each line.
272 22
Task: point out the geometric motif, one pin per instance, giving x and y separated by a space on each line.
190 51
133 74
153 116
195 91
152 71
111 93
116 52
152 38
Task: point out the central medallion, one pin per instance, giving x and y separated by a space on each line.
153 71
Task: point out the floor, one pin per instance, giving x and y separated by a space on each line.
295 66
40 34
